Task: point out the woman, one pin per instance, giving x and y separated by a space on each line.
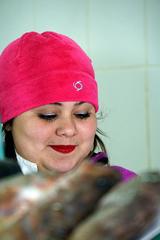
48 104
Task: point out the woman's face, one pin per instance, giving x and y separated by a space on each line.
57 136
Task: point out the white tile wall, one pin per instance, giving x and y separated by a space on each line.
117 32
16 17
122 37
154 108
122 98
69 17
153 31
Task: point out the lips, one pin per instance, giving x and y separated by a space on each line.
63 148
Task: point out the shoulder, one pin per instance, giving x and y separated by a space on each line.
8 168
102 157
125 173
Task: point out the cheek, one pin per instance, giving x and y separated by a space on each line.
38 134
88 130
27 133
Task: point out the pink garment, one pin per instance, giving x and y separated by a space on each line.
38 69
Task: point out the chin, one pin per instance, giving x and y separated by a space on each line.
66 168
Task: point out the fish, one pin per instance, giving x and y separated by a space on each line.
45 206
126 212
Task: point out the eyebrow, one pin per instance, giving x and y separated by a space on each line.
60 104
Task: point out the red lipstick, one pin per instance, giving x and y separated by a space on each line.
63 148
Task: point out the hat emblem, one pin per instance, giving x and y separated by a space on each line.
78 85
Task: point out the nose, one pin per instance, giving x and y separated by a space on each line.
66 127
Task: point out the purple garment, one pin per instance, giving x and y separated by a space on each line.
126 174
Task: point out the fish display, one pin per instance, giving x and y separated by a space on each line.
90 202
49 207
124 213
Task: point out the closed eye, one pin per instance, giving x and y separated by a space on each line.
84 115
47 117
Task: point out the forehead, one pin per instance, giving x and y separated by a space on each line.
65 105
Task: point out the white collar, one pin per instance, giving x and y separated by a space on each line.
26 166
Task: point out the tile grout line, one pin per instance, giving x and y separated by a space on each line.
146 89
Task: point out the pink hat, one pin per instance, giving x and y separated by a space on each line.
38 69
